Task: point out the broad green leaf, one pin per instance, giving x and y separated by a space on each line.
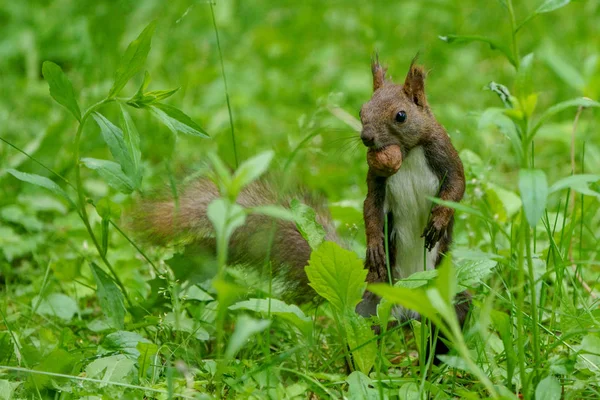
124 342
59 361
250 170
43 182
133 59
494 45
409 391
470 273
523 79
551 5
534 194
306 222
7 389
578 183
176 120
412 299
109 297
548 389
61 89
111 172
55 305
418 279
290 313
274 211
113 136
183 323
555 109
337 275
360 387
245 328
223 177
193 292
361 340
116 368
496 117
132 142
588 359
446 281
145 360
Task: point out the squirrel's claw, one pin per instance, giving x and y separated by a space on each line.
376 263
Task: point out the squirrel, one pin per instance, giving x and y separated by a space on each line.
419 234
396 115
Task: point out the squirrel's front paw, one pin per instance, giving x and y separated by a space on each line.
437 226
376 262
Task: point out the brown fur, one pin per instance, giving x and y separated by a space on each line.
165 221
380 129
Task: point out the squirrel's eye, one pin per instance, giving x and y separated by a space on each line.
401 116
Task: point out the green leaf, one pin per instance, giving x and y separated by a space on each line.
412 299
226 217
145 360
124 342
59 361
361 340
578 183
588 359
245 328
176 120
470 273
250 170
113 136
287 312
563 68
151 97
132 143
494 45
418 279
502 322
274 211
109 297
107 209
111 172
551 5
133 59
7 389
496 117
534 194
337 275
117 368
360 387
55 305
548 389
183 323
555 109
306 222
42 181
61 88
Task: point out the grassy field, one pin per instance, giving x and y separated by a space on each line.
104 102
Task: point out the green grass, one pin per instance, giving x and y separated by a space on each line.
89 311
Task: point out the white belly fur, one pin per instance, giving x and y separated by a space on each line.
406 197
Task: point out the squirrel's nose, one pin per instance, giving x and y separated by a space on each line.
367 138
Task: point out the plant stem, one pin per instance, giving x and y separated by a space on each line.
82 201
513 34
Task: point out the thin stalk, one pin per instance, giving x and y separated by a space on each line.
534 311
513 34
520 306
212 13
81 197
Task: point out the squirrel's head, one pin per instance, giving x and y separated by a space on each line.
396 114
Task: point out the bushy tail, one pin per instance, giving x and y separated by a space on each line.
163 220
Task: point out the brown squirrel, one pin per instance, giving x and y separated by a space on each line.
396 115
418 234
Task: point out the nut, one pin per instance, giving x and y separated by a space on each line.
385 162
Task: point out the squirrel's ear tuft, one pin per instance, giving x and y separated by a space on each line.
414 84
378 72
